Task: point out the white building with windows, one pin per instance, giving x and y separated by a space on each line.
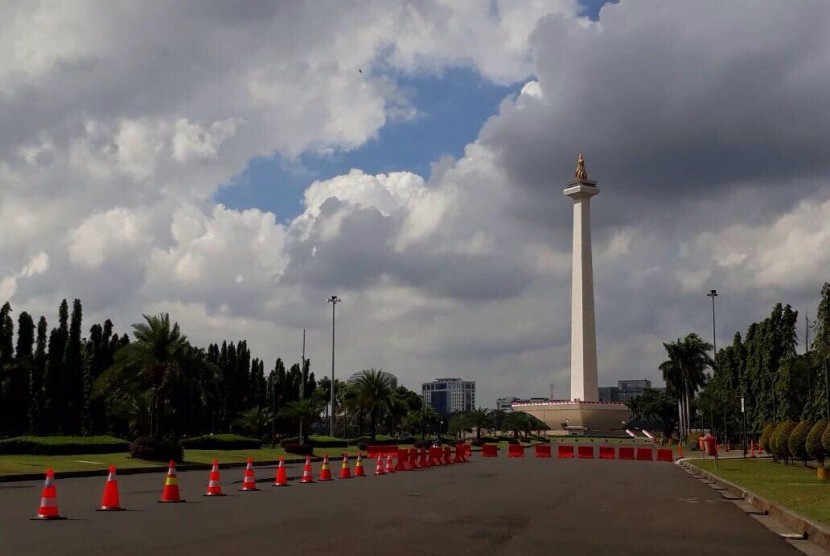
450 395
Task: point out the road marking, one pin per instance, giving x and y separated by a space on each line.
90 462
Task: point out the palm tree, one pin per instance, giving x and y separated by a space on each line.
303 413
148 372
421 419
479 419
373 396
684 373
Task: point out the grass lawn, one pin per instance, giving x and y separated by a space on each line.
27 463
793 486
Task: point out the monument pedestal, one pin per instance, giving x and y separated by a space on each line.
578 417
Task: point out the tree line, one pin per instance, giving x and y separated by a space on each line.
760 368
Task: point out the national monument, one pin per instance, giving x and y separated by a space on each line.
583 412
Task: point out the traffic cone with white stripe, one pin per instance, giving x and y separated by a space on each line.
214 484
390 467
345 473
248 479
358 467
48 499
325 471
379 467
170 494
111 502
307 478
281 480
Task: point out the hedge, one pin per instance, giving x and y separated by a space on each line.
765 442
797 441
780 440
222 442
813 443
55 445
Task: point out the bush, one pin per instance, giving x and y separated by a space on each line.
299 449
327 442
813 444
766 438
53 445
780 439
797 441
157 449
825 439
222 442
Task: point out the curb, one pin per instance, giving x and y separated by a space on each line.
150 469
815 532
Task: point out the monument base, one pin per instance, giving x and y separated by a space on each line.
577 417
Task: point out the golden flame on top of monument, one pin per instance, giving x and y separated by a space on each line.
581 173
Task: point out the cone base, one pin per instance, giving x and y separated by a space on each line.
215 494
110 509
280 484
47 518
248 489
171 501
306 482
349 477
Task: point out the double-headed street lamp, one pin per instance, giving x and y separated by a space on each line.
334 300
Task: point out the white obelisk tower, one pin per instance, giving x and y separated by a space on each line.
584 382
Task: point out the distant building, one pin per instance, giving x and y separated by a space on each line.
393 380
450 395
624 391
506 404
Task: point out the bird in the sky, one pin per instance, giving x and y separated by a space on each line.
359 70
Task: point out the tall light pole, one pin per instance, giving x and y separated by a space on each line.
302 381
334 300
713 294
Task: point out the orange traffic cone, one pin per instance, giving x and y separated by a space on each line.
358 467
282 480
680 450
325 471
390 467
48 499
752 448
171 486
345 473
248 479
379 467
307 478
214 485
111 502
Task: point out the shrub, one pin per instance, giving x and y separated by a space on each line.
221 442
780 447
53 445
796 443
814 447
825 439
288 441
766 437
157 449
299 449
327 442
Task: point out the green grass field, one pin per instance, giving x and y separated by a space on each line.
793 486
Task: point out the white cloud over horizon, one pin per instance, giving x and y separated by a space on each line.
704 130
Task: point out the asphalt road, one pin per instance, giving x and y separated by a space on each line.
488 506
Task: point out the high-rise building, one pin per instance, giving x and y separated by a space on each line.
624 391
450 395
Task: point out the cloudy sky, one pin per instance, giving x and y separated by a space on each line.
235 164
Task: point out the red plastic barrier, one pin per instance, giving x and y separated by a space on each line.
423 461
564 452
626 452
515 451
413 459
664 454
644 454
586 452
459 454
403 459
468 451
375 451
435 456
489 451
390 451
543 450
606 452
447 455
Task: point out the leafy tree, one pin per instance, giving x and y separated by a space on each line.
766 437
457 425
147 372
73 377
658 406
373 396
422 419
302 413
6 361
813 444
479 419
54 393
821 339
17 379
780 440
797 441
684 371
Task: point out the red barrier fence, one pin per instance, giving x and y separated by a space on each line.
435 455
543 450
413 459
447 455
489 451
606 452
664 454
586 452
403 460
564 452
644 454
381 451
515 451
626 452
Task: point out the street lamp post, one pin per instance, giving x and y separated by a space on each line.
334 300
713 294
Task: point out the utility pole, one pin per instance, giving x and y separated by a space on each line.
334 300
302 380
713 294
